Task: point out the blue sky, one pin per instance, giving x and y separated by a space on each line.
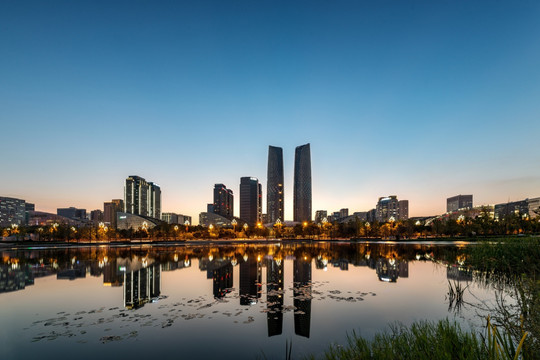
421 99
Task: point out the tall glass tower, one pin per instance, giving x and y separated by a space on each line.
302 183
275 201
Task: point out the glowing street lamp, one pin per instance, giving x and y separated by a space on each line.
234 223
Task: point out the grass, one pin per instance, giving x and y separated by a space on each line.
428 340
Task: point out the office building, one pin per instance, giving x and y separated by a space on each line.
72 213
12 211
458 202
343 213
96 216
223 201
529 208
403 209
109 211
142 197
275 193
302 184
170 218
207 218
250 200
390 208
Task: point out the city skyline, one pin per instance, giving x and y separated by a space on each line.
424 101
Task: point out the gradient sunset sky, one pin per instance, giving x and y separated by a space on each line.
419 99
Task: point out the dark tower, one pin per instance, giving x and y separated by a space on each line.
223 201
250 199
302 183
275 201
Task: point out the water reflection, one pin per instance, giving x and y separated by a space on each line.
272 279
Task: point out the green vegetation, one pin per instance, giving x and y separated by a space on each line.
428 340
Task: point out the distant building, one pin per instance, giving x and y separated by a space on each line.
320 215
343 213
250 200
142 197
302 196
458 202
12 211
72 213
275 193
223 201
371 215
361 215
524 208
170 218
110 209
389 208
207 219
173 218
125 221
96 216
403 209
210 208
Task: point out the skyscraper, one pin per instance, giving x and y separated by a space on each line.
250 200
302 183
275 202
223 201
141 197
459 202
110 209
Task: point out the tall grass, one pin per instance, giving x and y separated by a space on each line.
427 340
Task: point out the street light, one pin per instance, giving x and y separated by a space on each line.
234 223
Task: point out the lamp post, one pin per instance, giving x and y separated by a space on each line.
245 229
234 223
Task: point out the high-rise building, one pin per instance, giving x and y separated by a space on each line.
403 209
142 197
275 193
110 209
302 183
459 202
343 213
12 211
250 200
387 208
223 201
96 216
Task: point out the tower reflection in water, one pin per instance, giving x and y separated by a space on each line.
250 281
274 295
302 295
142 282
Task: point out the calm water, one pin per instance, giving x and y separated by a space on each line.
227 302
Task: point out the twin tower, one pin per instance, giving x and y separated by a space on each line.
275 192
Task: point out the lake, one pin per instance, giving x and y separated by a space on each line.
233 301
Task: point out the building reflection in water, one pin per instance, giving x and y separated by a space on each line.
274 295
302 295
222 277
13 277
389 270
250 281
142 283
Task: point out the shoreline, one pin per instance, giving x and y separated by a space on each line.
201 242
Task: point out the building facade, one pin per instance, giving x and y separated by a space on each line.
72 213
12 211
223 201
250 200
142 197
458 202
110 209
275 193
387 207
403 209
320 215
302 184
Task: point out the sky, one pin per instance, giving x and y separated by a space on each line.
419 99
